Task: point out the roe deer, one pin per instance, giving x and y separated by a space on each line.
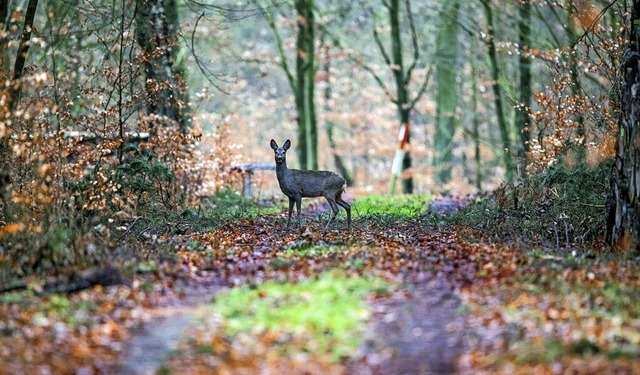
297 184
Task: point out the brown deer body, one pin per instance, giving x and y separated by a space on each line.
297 184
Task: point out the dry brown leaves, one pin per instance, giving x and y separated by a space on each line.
527 312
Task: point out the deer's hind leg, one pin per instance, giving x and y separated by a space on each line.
346 206
334 208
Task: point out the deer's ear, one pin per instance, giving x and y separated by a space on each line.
274 145
286 145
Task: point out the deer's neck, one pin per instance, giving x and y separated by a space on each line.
282 171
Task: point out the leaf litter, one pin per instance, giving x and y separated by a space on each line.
495 308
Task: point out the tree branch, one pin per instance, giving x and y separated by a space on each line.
414 42
23 49
284 64
422 89
376 36
206 72
380 82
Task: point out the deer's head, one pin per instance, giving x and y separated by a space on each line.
281 152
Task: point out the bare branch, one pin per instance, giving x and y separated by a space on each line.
380 83
414 41
206 72
595 22
376 36
422 89
284 64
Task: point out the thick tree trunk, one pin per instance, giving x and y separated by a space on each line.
11 96
156 33
305 77
447 94
623 206
522 114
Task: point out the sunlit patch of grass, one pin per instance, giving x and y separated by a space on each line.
325 315
228 205
397 205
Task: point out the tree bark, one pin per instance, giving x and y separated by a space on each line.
402 96
447 93
475 131
623 205
497 92
12 96
305 77
156 33
523 121
5 155
337 159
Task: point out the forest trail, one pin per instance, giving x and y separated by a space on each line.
418 295
416 330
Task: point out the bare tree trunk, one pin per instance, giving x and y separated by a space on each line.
5 155
447 94
523 121
304 91
156 33
476 126
623 205
497 91
337 159
12 96
401 87
402 78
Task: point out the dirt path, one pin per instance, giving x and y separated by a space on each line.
417 331
152 344
418 335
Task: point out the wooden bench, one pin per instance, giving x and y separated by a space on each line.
247 170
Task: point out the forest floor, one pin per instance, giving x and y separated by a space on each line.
393 295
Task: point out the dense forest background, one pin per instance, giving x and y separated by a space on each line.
115 109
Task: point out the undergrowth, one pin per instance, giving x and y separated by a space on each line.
562 207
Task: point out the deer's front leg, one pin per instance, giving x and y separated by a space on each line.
291 201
